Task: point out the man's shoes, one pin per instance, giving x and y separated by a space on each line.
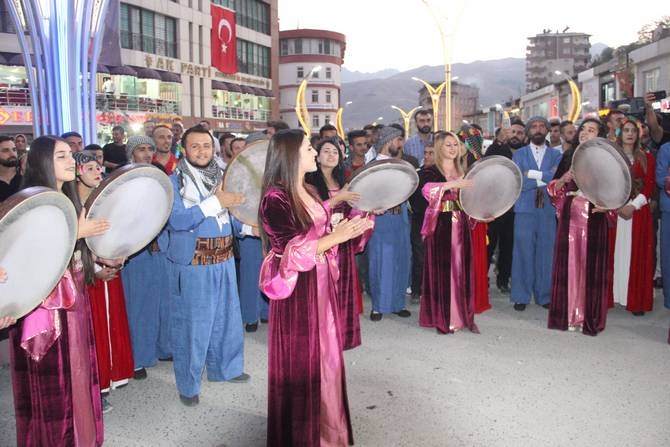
546 305
106 406
658 283
242 378
166 359
403 313
264 321
519 307
189 401
140 374
251 327
639 314
375 316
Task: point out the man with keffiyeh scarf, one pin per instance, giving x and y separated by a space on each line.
206 324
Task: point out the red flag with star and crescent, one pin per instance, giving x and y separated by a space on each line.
224 47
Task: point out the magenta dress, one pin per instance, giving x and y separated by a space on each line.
448 291
307 398
54 370
581 277
349 296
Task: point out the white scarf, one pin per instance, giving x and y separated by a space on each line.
192 193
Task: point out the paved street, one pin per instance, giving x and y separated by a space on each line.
515 384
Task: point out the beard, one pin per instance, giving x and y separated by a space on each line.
10 162
515 143
394 151
424 129
538 139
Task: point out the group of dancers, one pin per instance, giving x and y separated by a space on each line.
183 295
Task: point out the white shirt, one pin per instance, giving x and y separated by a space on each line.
538 154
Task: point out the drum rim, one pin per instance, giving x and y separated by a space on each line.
406 167
11 206
484 162
128 170
620 157
234 162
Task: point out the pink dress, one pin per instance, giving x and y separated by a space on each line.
307 402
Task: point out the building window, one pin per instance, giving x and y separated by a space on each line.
6 22
651 79
253 59
252 14
300 72
297 45
328 100
315 96
283 47
327 119
315 121
329 72
315 74
147 31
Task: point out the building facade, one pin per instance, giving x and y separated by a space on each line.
165 70
464 103
318 54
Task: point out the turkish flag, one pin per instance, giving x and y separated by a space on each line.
224 47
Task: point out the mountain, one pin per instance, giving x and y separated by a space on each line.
498 81
354 76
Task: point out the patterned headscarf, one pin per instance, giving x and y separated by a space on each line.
472 138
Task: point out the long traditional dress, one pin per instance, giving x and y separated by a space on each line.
54 370
581 277
349 295
634 251
447 301
112 336
307 398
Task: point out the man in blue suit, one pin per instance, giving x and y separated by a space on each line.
534 219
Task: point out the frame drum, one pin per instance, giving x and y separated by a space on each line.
383 184
497 186
602 173
244 175
38 231
137 200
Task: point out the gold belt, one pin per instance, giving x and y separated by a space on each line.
212 250
451 205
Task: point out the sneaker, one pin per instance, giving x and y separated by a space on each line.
140 374
403 313
106 406
242 378
375 316
189 401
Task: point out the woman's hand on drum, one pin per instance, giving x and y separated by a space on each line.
626 212
229 199
6 322
106 273
116 263
460 183
352 228
91 227
344 195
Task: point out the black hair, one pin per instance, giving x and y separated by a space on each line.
422 112
4 138
93 147
195 129
117 127
351 136
326 127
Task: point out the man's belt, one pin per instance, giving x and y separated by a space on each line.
213 250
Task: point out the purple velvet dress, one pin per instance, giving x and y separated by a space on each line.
307 398
447 300
54 370
579 291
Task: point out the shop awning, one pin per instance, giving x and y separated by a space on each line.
102 68
247 89
124 70
147 73
219 85
168 76
233 87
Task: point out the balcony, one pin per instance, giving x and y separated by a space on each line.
237 113
132 103
14 96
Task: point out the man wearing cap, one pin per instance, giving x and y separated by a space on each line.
534 219
389 249
146 285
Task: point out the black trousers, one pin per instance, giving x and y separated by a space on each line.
501 234
417 253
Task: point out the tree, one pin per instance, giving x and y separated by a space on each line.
646 32
605 55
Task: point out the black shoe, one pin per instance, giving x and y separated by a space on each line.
546 305
242 378
140 374
251 327
403 313
264 321
519 307
189 401
165 359
639 314
375 316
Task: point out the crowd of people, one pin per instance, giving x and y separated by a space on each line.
189 296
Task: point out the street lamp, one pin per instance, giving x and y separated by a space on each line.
434 93
338 120
406 116
300 105
576 97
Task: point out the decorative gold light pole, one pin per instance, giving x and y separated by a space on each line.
338 120
406 116
435 98
576 97
301 105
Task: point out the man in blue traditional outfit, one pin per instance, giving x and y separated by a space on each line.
206 324
389 248
662 170
253 306
145 286
534 219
